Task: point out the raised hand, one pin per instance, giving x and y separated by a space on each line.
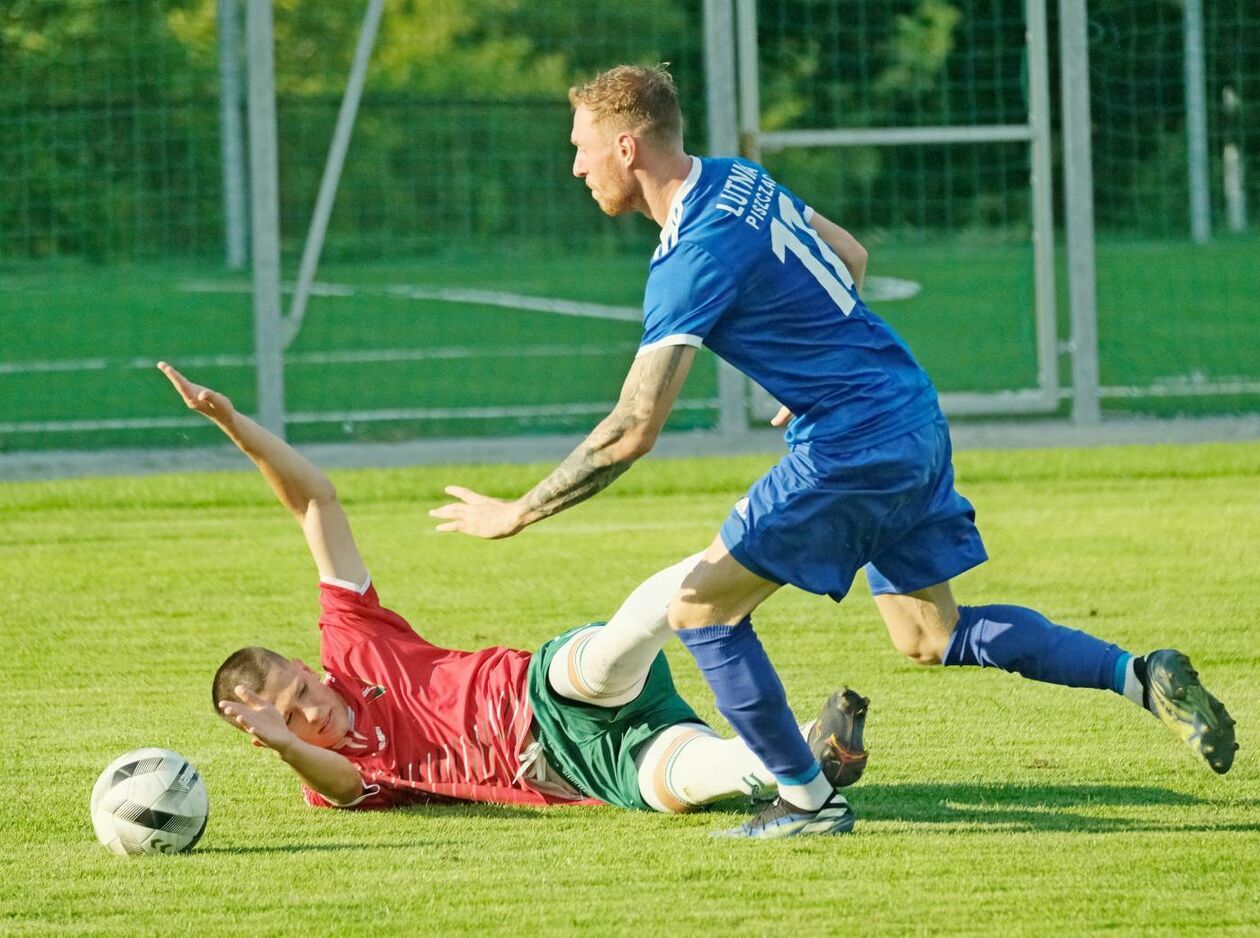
479 515
258 716
198 397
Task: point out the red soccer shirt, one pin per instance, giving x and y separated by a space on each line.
428 723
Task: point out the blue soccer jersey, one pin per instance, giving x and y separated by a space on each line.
740 270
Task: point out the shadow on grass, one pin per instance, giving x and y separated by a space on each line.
1041 807
372 845
1008 807
471 810
409 817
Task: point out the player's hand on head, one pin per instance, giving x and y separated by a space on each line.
197 396
258 717
479 515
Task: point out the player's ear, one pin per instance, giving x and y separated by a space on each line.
627 148
301 665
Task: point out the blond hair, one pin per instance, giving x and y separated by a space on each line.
640 99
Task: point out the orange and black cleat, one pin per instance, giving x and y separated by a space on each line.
836 737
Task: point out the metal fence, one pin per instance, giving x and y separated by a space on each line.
466 285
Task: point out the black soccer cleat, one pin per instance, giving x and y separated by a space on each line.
782 819
1198 719
836 737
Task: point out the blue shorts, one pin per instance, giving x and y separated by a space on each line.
822 513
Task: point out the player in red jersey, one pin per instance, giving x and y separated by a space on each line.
399 720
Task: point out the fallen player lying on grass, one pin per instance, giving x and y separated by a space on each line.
397 720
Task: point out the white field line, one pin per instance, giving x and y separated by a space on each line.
1179 389
69 364
408 291
473 413
1174 387
118 423
882 289
1183 388
1187 386
538 304
344 357
887 288
342 416
244 286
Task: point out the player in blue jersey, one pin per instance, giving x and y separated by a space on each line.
747 269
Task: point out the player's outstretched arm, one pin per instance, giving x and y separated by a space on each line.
847 247
300 485
630 431
327 772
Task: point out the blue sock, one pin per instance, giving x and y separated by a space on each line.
1024 641
750 695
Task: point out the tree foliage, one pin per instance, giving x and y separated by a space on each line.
109 113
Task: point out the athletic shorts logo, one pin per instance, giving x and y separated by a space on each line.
371 693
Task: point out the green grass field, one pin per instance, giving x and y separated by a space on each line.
992 805
1169 316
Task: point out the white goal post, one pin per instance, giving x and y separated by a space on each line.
1035 131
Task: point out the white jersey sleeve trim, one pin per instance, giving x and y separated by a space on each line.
808 214
679 338
673 218
368 792
359 588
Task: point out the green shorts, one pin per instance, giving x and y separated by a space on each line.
594 747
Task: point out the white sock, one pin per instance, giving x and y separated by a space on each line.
811 796
688 765
608 665
1132 686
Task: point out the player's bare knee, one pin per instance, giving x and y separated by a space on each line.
923 648
921 624
686 614
928 654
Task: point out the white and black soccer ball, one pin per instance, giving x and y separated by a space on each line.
149 801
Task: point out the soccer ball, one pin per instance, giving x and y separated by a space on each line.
149 801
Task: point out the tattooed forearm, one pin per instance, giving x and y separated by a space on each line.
574 480
616 442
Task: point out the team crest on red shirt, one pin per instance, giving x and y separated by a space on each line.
371 693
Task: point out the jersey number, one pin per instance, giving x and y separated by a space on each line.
833 276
